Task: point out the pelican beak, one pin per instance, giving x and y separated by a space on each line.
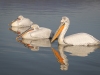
23 33
11 23
14 21
59 30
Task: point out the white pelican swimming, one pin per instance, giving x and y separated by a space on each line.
21 22
36 32
75 39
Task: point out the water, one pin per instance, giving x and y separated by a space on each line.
17 58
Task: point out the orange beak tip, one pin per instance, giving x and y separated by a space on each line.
51 41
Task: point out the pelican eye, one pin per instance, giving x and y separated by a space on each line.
18 19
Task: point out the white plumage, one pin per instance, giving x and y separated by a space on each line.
36 32
21 22
75 39
81 39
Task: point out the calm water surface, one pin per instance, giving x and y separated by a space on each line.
18 58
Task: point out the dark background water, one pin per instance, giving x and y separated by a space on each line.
16 59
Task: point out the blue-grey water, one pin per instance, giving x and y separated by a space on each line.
18 59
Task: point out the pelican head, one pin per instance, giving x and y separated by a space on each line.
65 19
62 28
20 17
35 27
15 22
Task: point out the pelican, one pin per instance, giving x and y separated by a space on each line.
21 22
36 32
74 39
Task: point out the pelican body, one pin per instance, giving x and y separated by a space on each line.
36 32
21 22
74 39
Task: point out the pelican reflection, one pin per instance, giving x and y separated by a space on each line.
81 51
35 44
61 57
